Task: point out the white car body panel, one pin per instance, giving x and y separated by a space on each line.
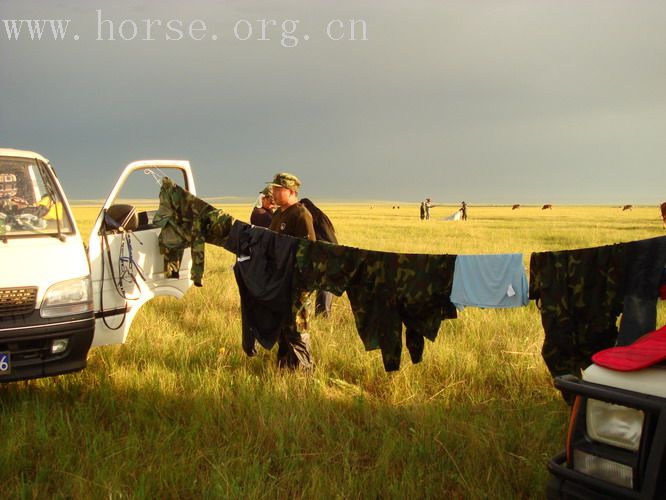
647 381
145 252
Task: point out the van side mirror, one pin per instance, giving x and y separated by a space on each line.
120 218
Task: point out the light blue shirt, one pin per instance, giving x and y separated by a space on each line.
496 281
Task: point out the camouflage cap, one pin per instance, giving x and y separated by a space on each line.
267 191
286 180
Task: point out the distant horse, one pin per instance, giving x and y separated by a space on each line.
515 207
627 207
663 213
550 207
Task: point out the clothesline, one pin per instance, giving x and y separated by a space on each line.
580 292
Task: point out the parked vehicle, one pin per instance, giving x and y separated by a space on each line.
57 298
616 441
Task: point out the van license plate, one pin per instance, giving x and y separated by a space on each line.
5 363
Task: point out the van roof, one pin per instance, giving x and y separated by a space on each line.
22 154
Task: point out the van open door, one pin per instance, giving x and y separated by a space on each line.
126 266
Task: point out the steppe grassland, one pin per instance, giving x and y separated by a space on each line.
180 411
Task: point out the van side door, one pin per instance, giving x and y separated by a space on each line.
126 266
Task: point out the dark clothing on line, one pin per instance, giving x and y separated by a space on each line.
263 272
385 290
645 265
580 296
582 292
294 341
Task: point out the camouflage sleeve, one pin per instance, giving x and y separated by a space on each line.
211 227
171 239
198 252
219 227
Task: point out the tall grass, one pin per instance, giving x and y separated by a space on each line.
179 411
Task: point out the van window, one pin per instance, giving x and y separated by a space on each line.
30 202
141 191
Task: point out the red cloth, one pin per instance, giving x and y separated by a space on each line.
648 350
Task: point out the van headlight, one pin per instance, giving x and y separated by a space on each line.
614 424
603 468
67 298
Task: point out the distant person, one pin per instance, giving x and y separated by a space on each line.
262 214
463 209
324 231
293 219
428 206
422 212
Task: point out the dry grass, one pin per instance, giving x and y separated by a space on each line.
180 412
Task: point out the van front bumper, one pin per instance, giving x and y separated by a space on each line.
30 347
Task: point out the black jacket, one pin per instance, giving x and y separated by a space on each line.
263 271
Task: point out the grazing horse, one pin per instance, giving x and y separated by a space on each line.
663 213
515 207
547 206
627 207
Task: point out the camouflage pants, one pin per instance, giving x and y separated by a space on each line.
385 290
294 339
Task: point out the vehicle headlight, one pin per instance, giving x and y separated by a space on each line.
614 424
603 468
68 297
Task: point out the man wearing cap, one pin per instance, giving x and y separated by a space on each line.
263 211
293 219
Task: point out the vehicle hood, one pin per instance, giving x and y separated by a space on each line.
41 262
650 380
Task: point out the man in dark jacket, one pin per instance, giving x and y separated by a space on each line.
262 214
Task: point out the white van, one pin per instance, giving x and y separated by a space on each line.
58 299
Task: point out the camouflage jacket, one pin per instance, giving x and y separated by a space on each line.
187 221
385 290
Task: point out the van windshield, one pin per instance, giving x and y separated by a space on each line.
30 203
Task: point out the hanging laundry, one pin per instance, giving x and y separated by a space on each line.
580 296
645 265
489 281
264 270
187 221
582 292
385 290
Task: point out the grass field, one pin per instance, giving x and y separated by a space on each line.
179 411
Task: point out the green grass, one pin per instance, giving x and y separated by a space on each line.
179 411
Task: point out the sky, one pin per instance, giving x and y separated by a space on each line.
491 102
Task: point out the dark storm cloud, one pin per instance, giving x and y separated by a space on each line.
494 102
